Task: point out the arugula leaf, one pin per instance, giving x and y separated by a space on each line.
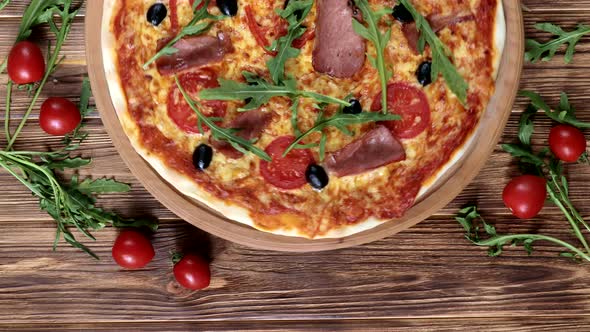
372 33
102 186
469 218
339 121
441 56
4 3
536 51
68 163
295 13
565 112
258 92
73 139
524 154
194 27
294 116
222 134
526 125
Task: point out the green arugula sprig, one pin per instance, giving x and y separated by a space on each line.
469 218
372 33
295 13
71 204
40 11
193 28
220 133
340 121
536 51
4 3
73 140
257 92
564 113
441 56
541 163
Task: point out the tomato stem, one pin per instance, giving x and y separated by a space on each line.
176 257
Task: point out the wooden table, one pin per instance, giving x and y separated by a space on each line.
426 276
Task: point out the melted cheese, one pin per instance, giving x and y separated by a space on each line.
322 214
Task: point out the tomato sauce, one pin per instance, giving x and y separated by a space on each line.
345 210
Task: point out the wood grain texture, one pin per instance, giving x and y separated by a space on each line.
427 278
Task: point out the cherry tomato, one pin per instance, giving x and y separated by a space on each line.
132 250
192 272
525 196
59 116
408 102
25 63
567 143
285 172
179 110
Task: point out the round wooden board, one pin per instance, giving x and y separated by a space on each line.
489 132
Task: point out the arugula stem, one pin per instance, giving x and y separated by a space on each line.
27 184
168 47
27 114
569 217
237 142
29 153
192 28
565 199
379 43
318 96
508 238
7 112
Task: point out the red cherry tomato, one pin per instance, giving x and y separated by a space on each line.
567 143
408 102
25 63
525 196
179 110
59 116
285 172
132 250
192 272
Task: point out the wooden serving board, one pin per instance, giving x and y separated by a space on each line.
489 132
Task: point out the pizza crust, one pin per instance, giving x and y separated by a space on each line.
186 185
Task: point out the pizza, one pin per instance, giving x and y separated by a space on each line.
317 119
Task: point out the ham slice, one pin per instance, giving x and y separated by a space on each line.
437 23
194 51
338 50
251 125
376 148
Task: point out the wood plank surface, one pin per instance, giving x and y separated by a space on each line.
427 278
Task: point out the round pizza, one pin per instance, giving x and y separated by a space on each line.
317 119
